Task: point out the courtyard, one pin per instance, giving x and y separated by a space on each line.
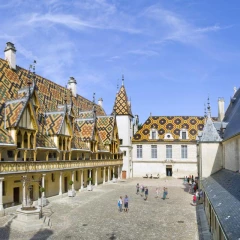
94 215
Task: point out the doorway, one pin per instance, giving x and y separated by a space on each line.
16 195
31 192
169 170
124 174
65 184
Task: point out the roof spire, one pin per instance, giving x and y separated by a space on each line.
122 80
94 98
117 87
208 108
205 111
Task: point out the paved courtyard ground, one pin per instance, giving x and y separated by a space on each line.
94 215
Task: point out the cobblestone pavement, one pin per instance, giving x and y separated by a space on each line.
94 215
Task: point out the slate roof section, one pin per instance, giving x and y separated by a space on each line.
172 125
222 189
210 133
44 141
105 126
121 106
78 144
232 116
5 138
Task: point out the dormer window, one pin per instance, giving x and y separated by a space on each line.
168 136
183 134
153 134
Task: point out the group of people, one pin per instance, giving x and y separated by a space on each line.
144 190
122 201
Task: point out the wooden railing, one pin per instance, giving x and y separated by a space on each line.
43 166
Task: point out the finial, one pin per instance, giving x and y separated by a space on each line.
150 114
117 88
93 97
234 90
205 111
122 80
208 107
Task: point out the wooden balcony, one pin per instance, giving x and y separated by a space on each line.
43 166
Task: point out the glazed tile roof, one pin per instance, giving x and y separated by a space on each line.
105 126
222 190
14 110
121 106
49 93
54 122
44 141
172 125
85 129
86 115
5 138
78 144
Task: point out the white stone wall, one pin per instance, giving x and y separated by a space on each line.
180 166
125 125
231 153
210 158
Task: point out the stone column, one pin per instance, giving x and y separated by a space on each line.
73 180
104 175
60 183
43 184
1 196
90 175
96 177
24 190
82 185
25 155
34 155
119 172
29 135
113 172
47 155
108 174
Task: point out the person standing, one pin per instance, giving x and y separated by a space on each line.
146 193
137 187
126 204
157 192
120 204
165 193
142 190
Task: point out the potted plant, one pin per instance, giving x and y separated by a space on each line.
42 201
71 191
89 186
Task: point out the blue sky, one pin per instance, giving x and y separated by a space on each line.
173 54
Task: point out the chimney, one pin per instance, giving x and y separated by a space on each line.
100 102
72 84
220 109
10 55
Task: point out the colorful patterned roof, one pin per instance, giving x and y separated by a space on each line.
105 126
172 125
49 93
85 129
44 141
78 144
54 122
86 115
121 106
5 138
14 110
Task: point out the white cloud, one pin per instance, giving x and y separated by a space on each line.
144 52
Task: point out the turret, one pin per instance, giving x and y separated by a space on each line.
72 84
10 55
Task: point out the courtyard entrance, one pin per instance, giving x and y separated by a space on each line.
169 170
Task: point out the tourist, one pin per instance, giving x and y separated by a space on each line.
157 192
197 195
188 179
137 187
165 193
120 204
194 200
126 204
142 190
150 176
146 193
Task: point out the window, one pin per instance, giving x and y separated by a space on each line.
168 151
184 151
3 188
184 135
153 134
154 151
10 154
121 141
139 151
53 178
124 153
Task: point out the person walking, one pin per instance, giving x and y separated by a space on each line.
126 204
120 204
165 193
142 190
146 193
137 187
194 200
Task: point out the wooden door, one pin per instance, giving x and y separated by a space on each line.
65 184
16 195
124 174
